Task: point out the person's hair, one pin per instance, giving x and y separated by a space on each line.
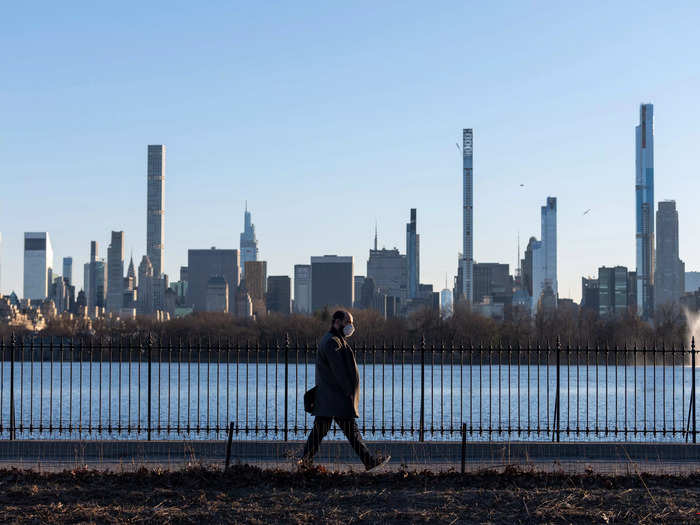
338 315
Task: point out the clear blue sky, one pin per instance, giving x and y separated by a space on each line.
326 116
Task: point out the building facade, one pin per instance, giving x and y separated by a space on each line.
115 272
205 264
389 269
669 276
302 288
279 294
493 280
412 255
613 291
68 270
467 261
155 208
331 281
549 241
644 194
38 264
249 243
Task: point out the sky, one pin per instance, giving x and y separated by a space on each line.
326 117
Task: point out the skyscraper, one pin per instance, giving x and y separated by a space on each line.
205 264
644 189
279 294
68 270
302 288
413 255
90 284
115 272
38 262
331 281
549 239
249 243
144 296
155 248
389 270
539 271
670 272
467 261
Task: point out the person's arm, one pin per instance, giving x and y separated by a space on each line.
338 365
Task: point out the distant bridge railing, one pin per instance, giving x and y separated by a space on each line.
158 388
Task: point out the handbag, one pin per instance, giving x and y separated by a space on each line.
310 400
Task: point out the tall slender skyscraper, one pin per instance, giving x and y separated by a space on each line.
644 189
249 243
68 270
549 240
413 255
115 272
467 261
155 248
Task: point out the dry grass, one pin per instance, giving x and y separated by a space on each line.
247 494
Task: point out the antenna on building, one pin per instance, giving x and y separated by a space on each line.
375 235
517 260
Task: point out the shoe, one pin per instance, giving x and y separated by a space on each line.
377 461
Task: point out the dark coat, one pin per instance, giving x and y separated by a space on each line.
337 378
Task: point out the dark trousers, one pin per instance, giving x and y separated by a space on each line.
349 427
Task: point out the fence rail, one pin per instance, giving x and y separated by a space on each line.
163 389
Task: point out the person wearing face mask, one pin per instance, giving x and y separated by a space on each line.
337 393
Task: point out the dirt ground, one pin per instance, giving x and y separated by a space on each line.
246 494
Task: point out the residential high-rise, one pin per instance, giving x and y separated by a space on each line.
217 295
115 272
467 261
412 255
359 281
205 264
493 280
38 264
549 239
389 269
144 296
255 282
90 285
526 267
670 271
249 243
302 288
644 189
590 295
539 271
155 248
68 270
331 281
613 300
279 294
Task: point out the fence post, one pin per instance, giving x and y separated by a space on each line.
464 445
693 390
13 343
228 445
421 430
557 422
149 348
286 385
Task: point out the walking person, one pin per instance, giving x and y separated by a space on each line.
337 393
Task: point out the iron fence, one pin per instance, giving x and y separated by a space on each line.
158 388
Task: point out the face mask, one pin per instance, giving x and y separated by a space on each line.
348 330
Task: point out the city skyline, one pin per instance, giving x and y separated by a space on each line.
578 139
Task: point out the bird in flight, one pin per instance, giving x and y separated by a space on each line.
457 144
585 212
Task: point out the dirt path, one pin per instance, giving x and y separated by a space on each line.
250 495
